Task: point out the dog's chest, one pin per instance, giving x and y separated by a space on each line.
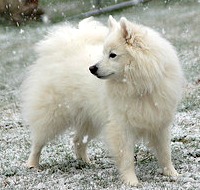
137 112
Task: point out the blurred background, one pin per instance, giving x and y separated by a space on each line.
22 11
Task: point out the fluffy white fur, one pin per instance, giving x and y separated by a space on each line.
137 100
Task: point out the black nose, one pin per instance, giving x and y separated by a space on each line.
93 69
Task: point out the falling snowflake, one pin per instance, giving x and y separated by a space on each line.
85 139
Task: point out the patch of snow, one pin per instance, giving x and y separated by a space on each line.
40 186
124 80
21 31
156 104
45 19
85 139
163 31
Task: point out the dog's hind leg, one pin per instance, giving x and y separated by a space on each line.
43 129
36 148
40 136
82 137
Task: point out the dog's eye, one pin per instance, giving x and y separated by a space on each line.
112 55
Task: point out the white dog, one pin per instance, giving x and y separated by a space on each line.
138 99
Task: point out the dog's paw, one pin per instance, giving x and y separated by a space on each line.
86 159
132 183
170 171
31 165
131 180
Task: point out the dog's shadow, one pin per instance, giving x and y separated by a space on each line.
70 163
100 171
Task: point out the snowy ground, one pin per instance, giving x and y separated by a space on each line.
179 22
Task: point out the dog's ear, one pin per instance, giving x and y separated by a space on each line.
112 23
125 28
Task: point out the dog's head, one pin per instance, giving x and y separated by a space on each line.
114 54
128 53
122 42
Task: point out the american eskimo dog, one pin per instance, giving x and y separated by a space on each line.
137 99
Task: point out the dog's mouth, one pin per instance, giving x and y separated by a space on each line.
105 76
94 70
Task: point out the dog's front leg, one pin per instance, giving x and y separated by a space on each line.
161 141
121 144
